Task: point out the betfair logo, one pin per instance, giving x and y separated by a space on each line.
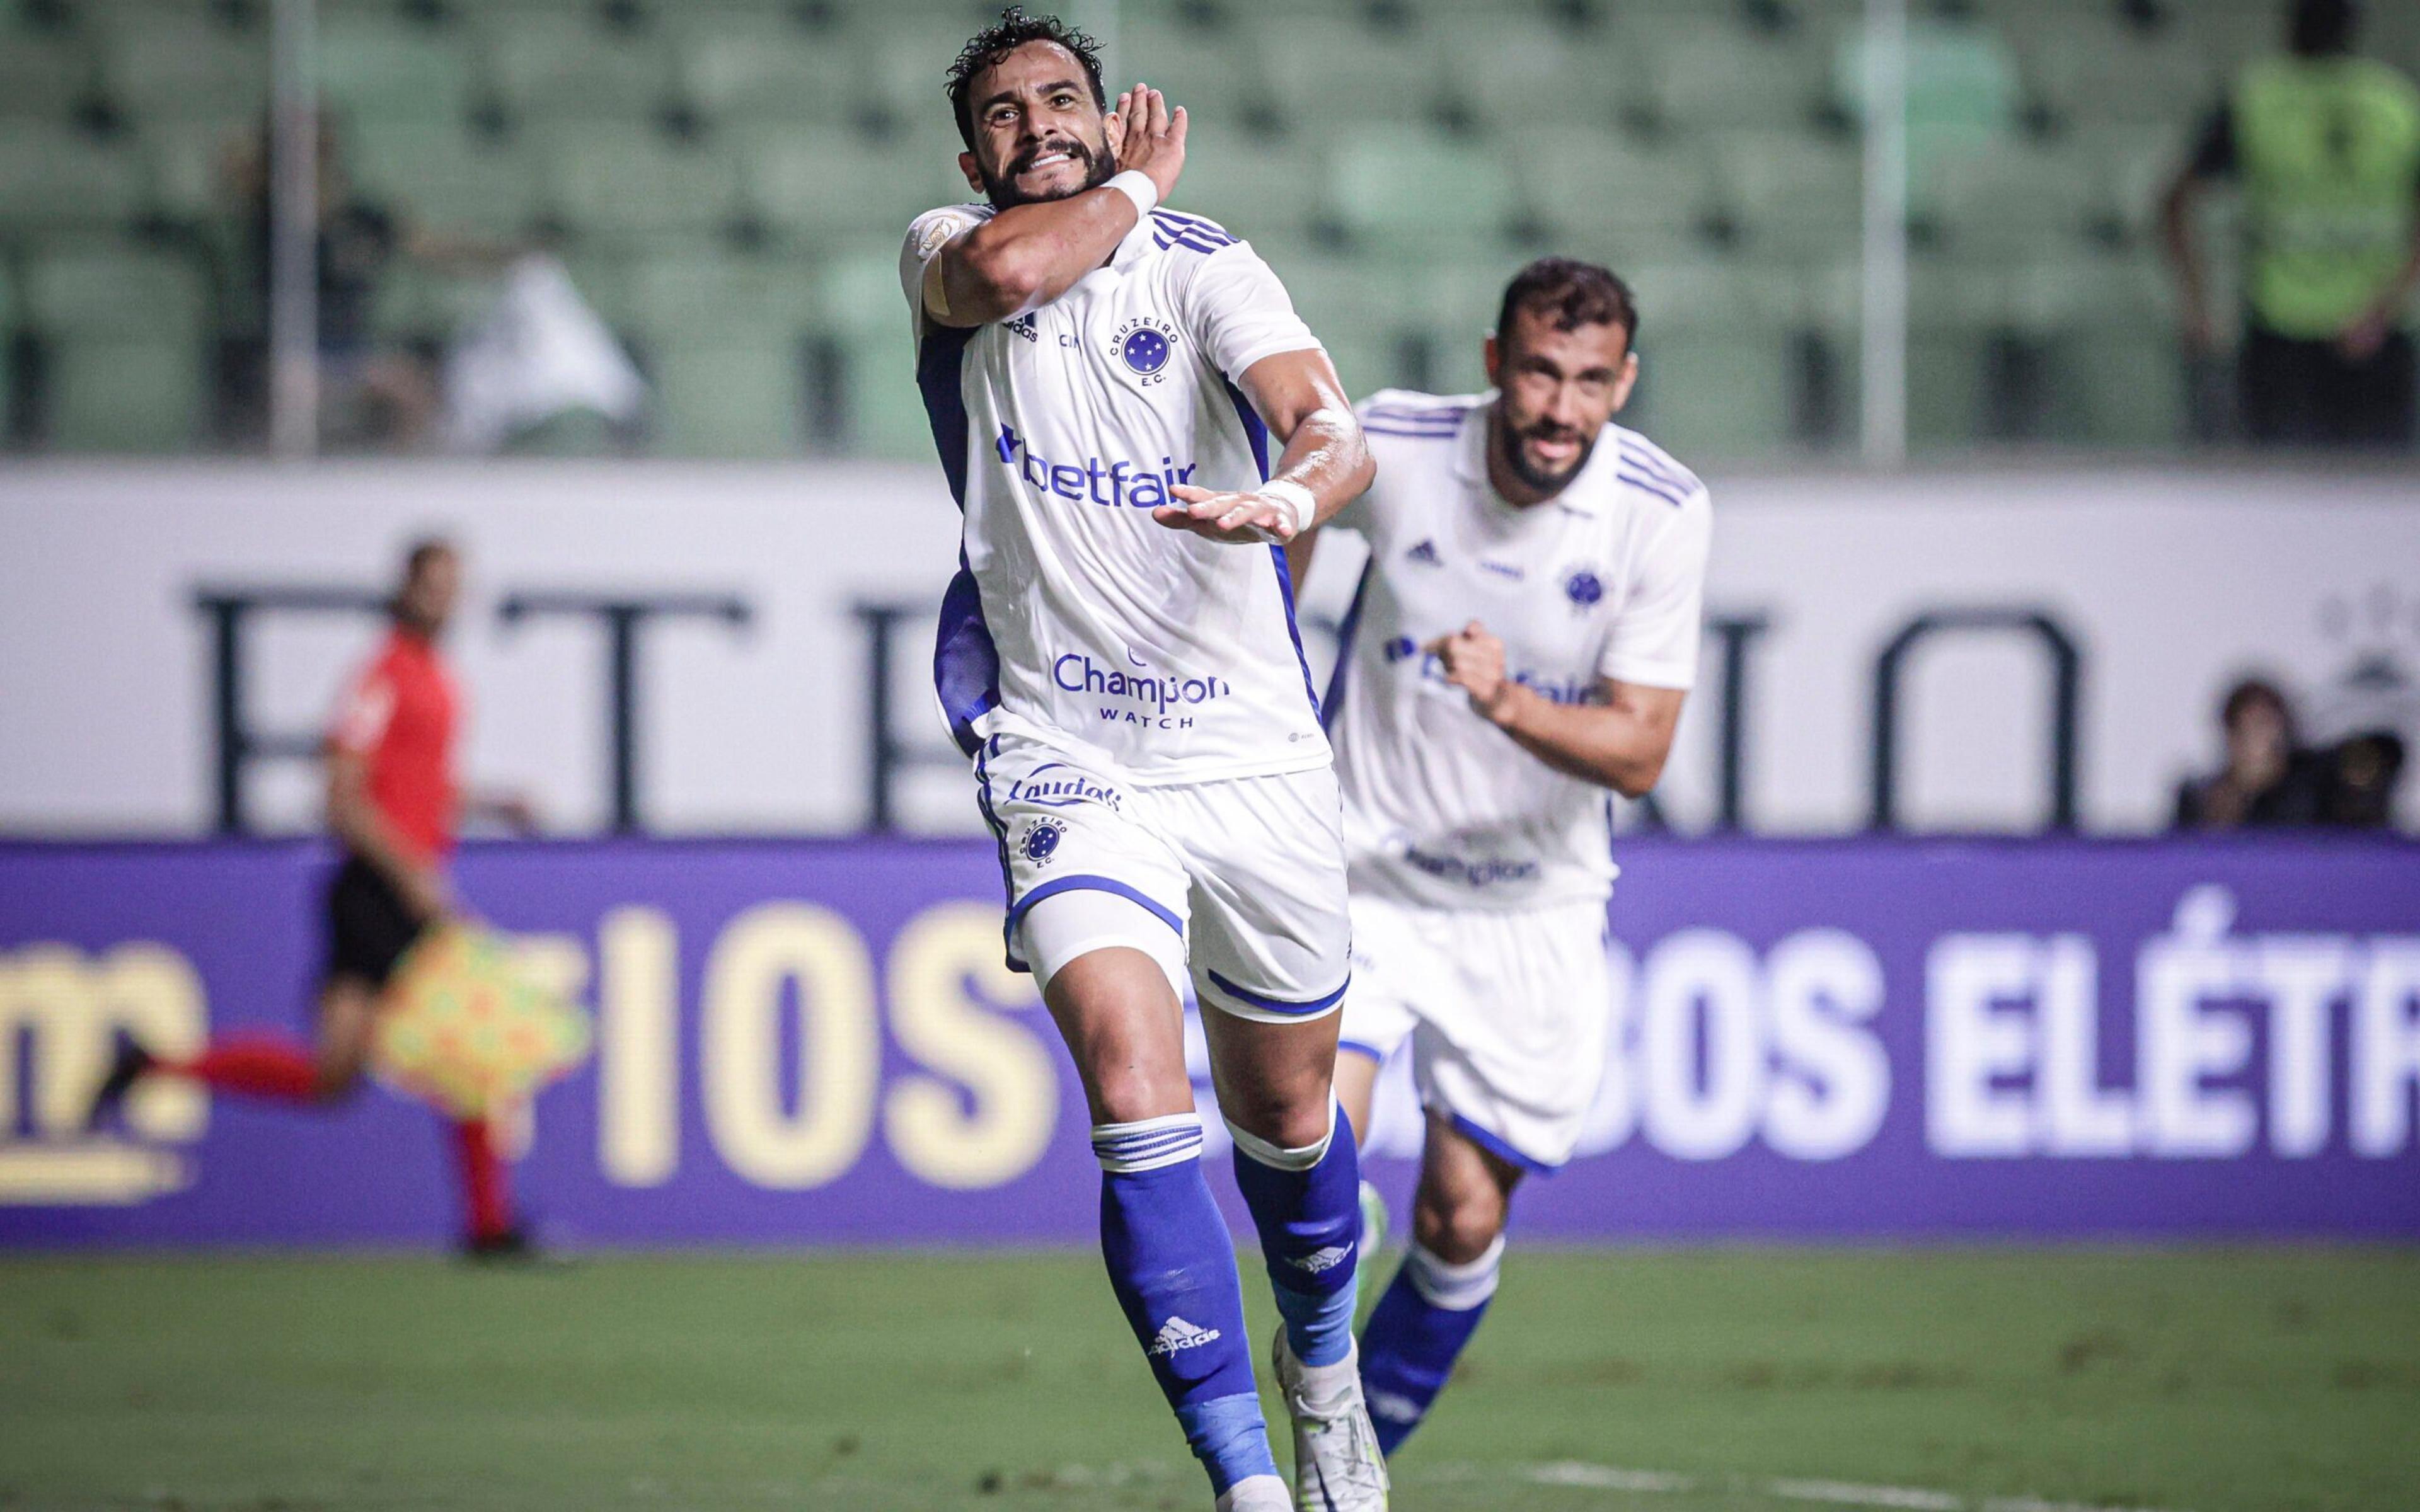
61 1011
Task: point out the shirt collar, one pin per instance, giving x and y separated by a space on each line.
1587 494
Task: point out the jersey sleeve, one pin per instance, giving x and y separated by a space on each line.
926 236
363 714
1654 638
1237 310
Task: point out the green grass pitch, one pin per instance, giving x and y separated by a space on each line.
1644 1381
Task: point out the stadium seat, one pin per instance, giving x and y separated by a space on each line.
2113 71
2116 372
1962 83
1591 190
1507 64
840 185
729 395
622 179
1958 317
1706 79
905 59
864 326
2009 198
42 77
1329 68
709 291
1716 373
376 67
1794 193
1365 312
765 68
1263 192
184 159
1214 72
171 70
122 335
55 179
546 65
440 175
2129 167
1410 190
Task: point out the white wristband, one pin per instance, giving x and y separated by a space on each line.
1135 185
1296 500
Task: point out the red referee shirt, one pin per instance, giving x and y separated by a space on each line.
399 717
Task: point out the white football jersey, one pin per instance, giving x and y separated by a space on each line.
1603 581
1076 619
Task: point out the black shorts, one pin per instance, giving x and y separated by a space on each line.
2308 393
368 926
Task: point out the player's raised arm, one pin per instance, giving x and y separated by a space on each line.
1036 123
1325 464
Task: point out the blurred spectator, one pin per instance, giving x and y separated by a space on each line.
2327 149
2271 782
2265 783
379 394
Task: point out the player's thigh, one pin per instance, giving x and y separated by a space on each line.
1274 1079
1125 1029
1271 935
1356 1088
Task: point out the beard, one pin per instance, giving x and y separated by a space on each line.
1517 461
1099 168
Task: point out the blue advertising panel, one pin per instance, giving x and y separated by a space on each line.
817 1042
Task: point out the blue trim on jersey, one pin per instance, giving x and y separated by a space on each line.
1080 882
1172 228
966 663
1358 1048
1652 459
1660 490
1345 630
1494 1144
1446 434
1277 1005
1257 432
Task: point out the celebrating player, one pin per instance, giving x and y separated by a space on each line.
392 801
1117 655
1521 641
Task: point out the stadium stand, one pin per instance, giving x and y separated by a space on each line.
1374 150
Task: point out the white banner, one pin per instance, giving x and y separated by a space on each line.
2167 584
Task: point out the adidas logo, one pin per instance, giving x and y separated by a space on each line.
1392 1408
1176 1334
1425 554
1321 1261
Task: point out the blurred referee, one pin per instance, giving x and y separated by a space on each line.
393 804
2327 149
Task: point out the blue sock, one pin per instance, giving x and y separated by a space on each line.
1307 1204
1172 1266
1416 1333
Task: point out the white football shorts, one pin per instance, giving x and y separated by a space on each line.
1506 1012
1247 872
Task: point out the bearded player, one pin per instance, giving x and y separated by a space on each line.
1517 651
1117 657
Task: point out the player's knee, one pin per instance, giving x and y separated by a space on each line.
1130 1093
1287 1121
1458 1227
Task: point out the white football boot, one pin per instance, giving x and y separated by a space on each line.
1337 1467
1261 1493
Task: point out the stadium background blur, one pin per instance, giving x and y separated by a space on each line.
1983 439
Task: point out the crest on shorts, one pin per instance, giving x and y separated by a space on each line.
1041 842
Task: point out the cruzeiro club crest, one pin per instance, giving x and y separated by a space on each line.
1585 589
1039 845
1145 345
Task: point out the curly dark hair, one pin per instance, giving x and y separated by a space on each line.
1013 29
1571 294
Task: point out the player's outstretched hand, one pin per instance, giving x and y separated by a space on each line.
1152 137
1236 519
1473 658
